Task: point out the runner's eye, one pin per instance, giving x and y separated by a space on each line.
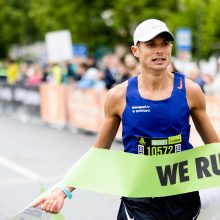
165 43
149 44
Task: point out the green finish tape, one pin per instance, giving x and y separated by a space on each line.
132 175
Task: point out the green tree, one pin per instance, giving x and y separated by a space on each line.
83 18
16 26
107 23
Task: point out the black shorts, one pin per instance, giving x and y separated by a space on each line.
178 207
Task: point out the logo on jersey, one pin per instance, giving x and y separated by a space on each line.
140 108
181 84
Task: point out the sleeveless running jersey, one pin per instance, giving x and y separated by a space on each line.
153 127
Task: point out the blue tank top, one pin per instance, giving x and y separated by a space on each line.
153 127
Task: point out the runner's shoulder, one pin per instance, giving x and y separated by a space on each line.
118 92
195 95
192 88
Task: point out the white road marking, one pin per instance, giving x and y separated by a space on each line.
20 169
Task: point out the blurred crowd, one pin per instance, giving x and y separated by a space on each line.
88 73
80 72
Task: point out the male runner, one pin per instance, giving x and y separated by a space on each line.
154 108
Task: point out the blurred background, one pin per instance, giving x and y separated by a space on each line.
58 59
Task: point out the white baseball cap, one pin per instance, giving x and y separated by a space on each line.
149 29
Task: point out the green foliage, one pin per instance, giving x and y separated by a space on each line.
106 23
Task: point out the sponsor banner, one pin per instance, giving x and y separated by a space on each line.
20 94
53 104
6 92
212 108
31 96
31 101
85 109
20 100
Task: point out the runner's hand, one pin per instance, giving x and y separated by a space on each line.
52 202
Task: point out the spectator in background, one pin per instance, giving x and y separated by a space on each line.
214 87
3 72
199 78
131 64
123 72
35 78
90 62
200 81
57 74
110 68
23 74
70 71
80 71
12 72
92 78
45 73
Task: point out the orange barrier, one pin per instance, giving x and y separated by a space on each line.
85 108
213 111
53 104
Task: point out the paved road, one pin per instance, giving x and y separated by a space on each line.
30 151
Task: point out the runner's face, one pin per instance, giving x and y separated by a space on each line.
154 54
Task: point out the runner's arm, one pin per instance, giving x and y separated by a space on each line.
53 202
197 104
111 123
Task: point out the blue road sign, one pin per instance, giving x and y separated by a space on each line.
184 39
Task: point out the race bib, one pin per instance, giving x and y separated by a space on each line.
159 146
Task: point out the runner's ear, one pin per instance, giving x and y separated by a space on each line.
135 51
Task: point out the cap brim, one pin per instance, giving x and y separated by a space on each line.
153 35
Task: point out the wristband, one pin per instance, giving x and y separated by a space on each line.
66 191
